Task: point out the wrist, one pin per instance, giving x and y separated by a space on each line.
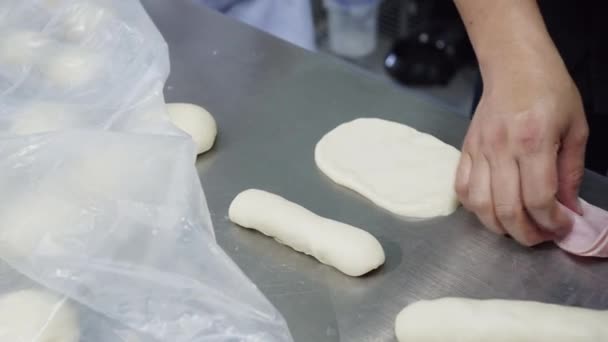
522 63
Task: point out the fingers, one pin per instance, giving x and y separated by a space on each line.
571 166
508 204
479 197
463 174
539 182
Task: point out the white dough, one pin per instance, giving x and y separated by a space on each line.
395 166
195 121
470 320
351 250
40 117
36 223
21 47
71 67
82 19
31 315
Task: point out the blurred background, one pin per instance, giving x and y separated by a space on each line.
419 44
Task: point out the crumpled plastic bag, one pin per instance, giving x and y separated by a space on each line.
103 221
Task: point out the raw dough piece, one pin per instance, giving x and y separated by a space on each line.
195 121
36 223
395 166
31 315
82 19
40 117
21 47
470 320
72 67
351 250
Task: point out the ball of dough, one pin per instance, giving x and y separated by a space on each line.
82 19
72 67
21 47
36 223
32 315
40 117
195 121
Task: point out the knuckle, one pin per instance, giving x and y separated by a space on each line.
496 138
528 143
528 136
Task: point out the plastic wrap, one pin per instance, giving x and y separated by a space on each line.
104 227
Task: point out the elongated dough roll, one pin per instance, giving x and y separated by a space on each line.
351 250
468 320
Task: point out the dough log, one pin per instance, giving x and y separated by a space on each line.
468 320
351 250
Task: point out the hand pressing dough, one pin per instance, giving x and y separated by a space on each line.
470 320
395 166
31 315
351 250
195 121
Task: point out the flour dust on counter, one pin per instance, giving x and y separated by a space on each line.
351 250
472 320
196 121
400 169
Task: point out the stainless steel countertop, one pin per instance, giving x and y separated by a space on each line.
273 102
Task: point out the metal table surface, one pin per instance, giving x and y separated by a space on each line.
273 102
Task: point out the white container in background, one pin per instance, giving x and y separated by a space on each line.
352 26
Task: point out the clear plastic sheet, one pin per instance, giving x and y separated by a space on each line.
104 227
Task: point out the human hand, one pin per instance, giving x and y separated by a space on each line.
524 151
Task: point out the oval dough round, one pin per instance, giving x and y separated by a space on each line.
32 315
405 171
195 121
351 250
471 320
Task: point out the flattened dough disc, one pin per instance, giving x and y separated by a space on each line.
405 171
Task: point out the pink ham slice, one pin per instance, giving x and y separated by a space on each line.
589 233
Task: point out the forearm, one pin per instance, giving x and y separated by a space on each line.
507 35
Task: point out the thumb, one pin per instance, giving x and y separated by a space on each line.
571 166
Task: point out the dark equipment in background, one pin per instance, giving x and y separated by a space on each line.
422 42
435 45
